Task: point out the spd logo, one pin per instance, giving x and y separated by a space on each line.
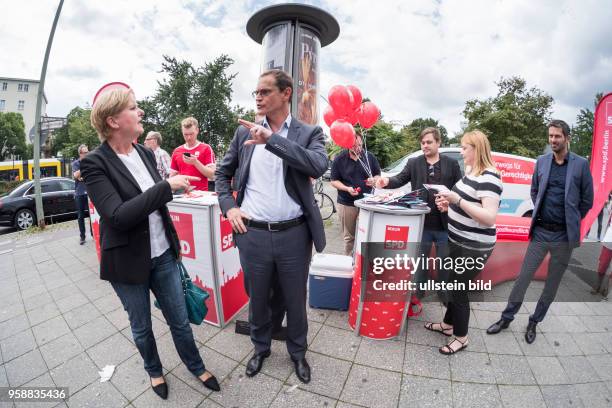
184 228
227 236
396 237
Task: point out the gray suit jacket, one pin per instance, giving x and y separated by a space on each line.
578 192
304 156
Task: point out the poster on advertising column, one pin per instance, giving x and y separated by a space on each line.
308 76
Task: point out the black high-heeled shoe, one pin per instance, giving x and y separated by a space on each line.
212 383
161 390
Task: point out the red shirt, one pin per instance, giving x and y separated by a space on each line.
203 153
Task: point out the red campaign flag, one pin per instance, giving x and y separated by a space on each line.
600 161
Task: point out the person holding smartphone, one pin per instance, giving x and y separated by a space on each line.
194 158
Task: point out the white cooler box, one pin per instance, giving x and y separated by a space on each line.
330 280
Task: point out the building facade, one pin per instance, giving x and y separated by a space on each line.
19 95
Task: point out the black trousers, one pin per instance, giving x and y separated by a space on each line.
272 260
81 207
458 306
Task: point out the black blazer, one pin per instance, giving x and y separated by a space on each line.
416 171
304 156
124 213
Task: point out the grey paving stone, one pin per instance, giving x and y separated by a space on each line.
317 315
521 396
471 395
603 366
601 308
387 355
502 343
108 303
217 364
594 395
328 375
167 352
476 340
297 398
588 343
426 361
512 370
278 365
130 377
208 403
13 326
64 291
81 315
540 347
41 381
70 302
179 395
75 373
94 332
336 343
37 301
578 369
50 330
338 319
61 350
416 333
547 370
97 395
471 367
425 392
42 313
563 344
112 351
561 396
231 345
342 404
33 291
203 332
574 324
9 311
580 308
25 368
605 339
238 390
3 378
313 330
17 345
485 318
372 387
597 324
119 319
552 324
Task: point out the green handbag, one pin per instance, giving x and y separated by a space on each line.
195 298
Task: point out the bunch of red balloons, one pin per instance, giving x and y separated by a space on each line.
344 111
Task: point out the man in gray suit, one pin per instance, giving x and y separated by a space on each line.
562 193
275 217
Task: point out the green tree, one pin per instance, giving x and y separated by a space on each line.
414 128
78 130
582 132
12 135
202 92
514 120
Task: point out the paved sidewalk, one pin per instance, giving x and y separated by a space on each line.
60 325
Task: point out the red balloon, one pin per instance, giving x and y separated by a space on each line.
329 116
341 100
353 118
342 133
368 115
357 98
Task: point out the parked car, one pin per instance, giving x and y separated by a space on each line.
18 209
516 172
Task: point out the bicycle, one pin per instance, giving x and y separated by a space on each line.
324 202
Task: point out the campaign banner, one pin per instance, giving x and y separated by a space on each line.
183 223
600 161
514 170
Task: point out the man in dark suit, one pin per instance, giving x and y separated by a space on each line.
274 216
430 168
562 193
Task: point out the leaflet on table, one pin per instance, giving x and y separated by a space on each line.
196 196
385 197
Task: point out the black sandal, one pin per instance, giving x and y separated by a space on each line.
450 349
430 326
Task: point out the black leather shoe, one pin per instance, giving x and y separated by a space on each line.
82 241
498 326
255 363
302 370
212 384
161 390
530 334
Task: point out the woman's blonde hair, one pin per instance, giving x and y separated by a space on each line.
109 103
482 151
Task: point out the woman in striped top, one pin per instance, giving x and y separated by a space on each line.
472 207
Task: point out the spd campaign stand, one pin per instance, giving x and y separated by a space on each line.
208 253
395 227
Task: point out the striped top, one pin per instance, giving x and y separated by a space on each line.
464 230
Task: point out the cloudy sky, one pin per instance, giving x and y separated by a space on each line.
412 58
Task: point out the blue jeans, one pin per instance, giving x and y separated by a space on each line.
165 283
429 238
82 206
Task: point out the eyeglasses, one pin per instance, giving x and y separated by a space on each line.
261 92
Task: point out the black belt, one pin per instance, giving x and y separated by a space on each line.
551 227
275 226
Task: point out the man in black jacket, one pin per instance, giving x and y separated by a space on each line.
430 168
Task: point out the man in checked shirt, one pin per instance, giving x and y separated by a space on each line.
153 141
